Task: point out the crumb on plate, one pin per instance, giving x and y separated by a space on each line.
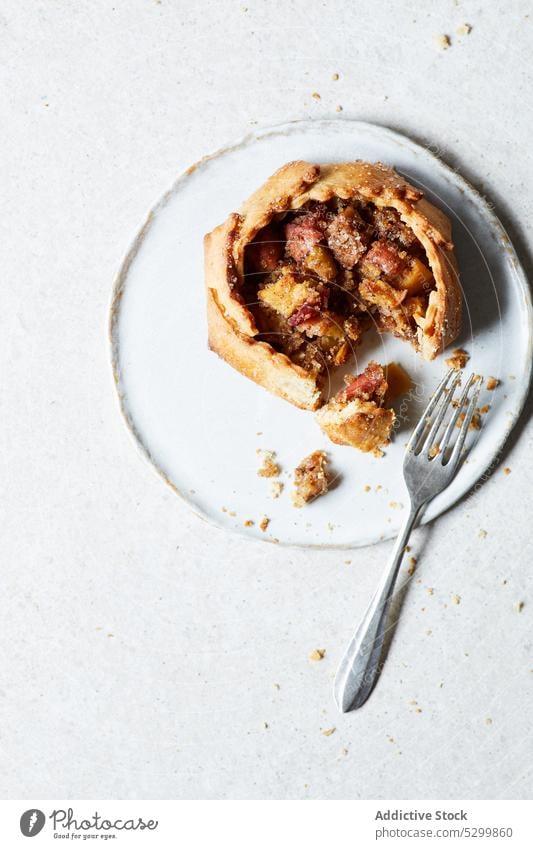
276 489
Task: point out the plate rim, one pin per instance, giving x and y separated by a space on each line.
257 134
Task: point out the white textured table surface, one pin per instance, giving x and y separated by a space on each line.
144 654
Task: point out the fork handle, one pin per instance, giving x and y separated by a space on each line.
358 668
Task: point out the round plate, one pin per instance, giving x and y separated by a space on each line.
200 423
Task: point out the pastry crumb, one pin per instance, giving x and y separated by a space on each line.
456 599
475 424
317 654
464 29
264 523
492 383
269 468
396 505
459 359
488 721
519 606
367 488
327 732
315 95
507 470
232 513
276 489
398 381
348 562
443 41
248 523
338 108
334 76
433 451
430 590
310 478
484 409
412 566
482 533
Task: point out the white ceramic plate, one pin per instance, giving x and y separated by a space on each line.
200 423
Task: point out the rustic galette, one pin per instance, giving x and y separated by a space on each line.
315 257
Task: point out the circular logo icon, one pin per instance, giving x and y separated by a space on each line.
32 822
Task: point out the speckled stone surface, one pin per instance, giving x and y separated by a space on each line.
143 653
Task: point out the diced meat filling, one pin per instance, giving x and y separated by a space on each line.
310 478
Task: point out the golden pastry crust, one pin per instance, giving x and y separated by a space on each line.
233 330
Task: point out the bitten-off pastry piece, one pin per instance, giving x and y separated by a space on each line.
310 478
357 416
314 257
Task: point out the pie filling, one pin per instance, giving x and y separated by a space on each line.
317 277
358 415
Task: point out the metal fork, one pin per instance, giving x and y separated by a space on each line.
429 466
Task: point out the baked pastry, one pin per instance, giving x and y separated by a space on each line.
314 257
358 415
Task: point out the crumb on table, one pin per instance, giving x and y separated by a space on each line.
327 732
492 383
264 523
464 29
276 489
248 523
507 470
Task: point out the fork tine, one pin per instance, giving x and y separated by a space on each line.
457 412
443 408
424 418
455 456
